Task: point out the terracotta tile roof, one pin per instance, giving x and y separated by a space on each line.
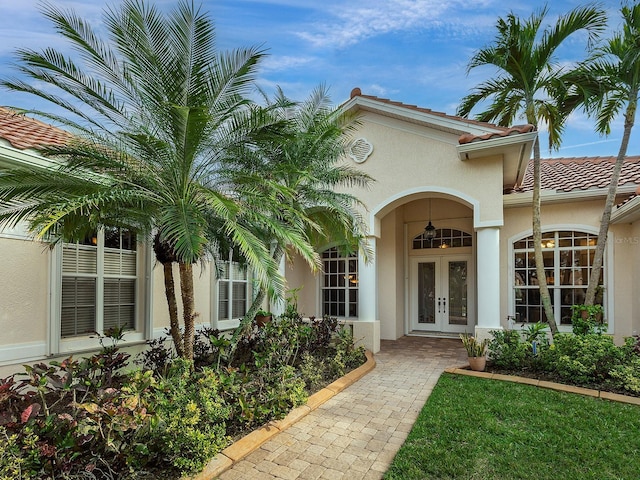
629 198
23 132
581 173
356 92
515 130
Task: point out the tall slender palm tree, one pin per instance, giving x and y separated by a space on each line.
528 84
615 70
156 110
307 162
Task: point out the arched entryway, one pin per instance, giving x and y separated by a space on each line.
426 280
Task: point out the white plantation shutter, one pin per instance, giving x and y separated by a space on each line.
119 303
239 307
78 315
119 262
86 284
223 300
79 259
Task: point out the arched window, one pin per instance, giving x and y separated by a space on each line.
444 238
568 256
340 284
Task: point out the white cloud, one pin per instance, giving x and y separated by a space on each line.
352 23
274 63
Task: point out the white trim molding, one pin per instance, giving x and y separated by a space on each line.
19 353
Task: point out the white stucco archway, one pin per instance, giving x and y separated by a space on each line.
427 191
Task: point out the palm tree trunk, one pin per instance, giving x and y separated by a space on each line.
596 267
537 243
170 293
188 307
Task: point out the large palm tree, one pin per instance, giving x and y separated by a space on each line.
307 164
615 70
156 111
528 85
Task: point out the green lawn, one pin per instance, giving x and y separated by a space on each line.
473 428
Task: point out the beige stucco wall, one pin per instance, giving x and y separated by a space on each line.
635 260
408 158
300 278
24 295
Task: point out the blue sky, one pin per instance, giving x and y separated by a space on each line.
412 51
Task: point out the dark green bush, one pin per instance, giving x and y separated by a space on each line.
507 350
585 359
191 415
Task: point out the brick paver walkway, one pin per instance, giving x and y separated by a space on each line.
356 434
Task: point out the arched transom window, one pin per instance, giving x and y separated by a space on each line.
568 256
444 238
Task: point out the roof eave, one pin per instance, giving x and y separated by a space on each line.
627 213
449 124
555 196
486 148
13 157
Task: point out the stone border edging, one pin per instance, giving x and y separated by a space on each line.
616 397
252 441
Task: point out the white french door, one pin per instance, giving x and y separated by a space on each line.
441 294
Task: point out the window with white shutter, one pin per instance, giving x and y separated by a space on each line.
99 284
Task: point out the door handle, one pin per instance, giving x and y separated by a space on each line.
439 304
444 304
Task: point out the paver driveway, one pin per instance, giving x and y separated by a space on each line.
356 434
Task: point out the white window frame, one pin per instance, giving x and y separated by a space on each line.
229 322
608 275
351 283
59 345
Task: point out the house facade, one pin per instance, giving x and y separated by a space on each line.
449 218
450 227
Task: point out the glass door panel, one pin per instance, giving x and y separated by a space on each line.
427 293
441 295
457 282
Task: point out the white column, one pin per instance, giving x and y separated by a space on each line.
366 330
488 279
367 285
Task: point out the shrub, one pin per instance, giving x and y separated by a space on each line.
585 358
157 357
507 350
87 419
191 415
627 376
347 355
17 455
313 371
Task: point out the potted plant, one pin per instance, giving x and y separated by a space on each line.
587 319
476 351
263 317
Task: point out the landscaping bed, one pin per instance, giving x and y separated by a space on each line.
586 358
98 418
